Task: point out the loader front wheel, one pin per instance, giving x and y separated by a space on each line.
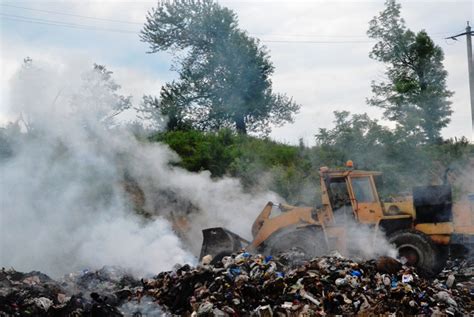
297 243
419 250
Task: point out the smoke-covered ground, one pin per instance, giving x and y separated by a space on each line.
63 201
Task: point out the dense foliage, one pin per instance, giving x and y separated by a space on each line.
258 163
224 74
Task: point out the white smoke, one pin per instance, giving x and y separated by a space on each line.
146 307
366 243
363 241
465 181
63 203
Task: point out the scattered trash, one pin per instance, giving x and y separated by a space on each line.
450 280
206 260
407 278
245 284
389 265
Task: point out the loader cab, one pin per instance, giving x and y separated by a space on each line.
366 200
338 191
351 194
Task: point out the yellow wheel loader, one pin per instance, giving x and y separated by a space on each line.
423 226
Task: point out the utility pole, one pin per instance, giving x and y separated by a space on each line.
470 66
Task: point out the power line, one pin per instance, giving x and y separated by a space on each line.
137 23
33 20
20 18
252 34
327 36
309 35
61 24
94 28
85 27
316 42
71 14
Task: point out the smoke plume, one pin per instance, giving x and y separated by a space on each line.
65 204
362 241
80 191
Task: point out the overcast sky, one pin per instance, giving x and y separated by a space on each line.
319 49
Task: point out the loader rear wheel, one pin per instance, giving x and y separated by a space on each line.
298 243
419 250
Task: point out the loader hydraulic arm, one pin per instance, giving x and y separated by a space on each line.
264 214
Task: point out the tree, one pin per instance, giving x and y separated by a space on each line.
372 146
96 100
415 94
357 138
100 93
224 75
147 113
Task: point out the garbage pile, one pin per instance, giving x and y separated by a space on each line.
263 286
245 284
85 293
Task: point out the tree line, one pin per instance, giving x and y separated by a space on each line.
225 74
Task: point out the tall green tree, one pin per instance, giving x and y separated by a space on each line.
414 95
224 74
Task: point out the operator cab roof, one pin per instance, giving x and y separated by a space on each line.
346 172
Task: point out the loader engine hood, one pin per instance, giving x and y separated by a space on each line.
433 204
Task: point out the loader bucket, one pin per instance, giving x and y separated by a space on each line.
217 241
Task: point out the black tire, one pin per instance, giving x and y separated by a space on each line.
419 250
308 242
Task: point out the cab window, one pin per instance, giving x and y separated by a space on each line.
338 192
363 189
